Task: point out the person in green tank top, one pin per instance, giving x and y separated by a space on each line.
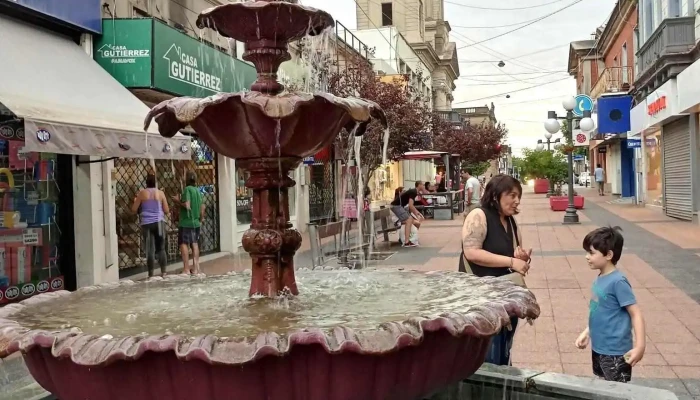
191 216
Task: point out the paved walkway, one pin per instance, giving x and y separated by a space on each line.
661 259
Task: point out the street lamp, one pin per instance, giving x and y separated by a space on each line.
552 126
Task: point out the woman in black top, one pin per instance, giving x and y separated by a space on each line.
487 240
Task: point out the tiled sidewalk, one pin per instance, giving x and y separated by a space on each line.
656 261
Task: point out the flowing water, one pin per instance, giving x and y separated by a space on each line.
221 306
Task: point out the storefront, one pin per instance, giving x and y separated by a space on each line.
157 62
689 102
63 121
666 151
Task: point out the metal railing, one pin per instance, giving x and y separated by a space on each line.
673 36
612 80
350 45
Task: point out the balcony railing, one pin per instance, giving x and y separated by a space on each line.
612 80
673 36
451 116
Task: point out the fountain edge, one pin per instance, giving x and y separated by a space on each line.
211 349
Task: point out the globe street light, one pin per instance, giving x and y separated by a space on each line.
552 126
540 145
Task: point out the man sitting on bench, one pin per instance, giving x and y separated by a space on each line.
407 199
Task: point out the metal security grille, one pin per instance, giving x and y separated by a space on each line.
322 191
130 177
678 191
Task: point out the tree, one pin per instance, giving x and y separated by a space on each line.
543 164
411 121
476 144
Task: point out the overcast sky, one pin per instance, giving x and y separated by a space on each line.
484 82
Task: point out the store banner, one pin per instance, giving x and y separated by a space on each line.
124 50
85 15
144 53
185 66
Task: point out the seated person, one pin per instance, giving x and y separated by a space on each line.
408 217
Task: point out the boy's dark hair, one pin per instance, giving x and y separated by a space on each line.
466 171
604 240
418 184
191 179
496 188
598 165
150 181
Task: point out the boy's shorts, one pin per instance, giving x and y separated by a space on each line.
611 368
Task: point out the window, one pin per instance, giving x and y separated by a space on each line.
387 14
674 8
648 19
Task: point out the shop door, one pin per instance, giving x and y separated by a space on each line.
130 177
678 195
322 192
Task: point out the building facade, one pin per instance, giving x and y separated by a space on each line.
604 68
63 122
665 118
423 24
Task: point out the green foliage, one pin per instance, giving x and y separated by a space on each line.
542 164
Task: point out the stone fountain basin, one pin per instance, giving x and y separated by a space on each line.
256 125
425 331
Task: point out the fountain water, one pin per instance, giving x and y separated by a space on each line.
348 335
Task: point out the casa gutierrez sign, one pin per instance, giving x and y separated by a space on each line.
120 54
185 68
148 54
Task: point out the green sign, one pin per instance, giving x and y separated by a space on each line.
124 50
146 53
185 66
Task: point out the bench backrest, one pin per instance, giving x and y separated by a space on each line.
332 229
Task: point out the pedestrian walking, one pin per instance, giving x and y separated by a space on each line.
473 190
613 310
152 206
599 173
191 213
492 246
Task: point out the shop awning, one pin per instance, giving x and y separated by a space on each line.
70 105
422 155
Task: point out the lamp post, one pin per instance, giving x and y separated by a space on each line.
552 126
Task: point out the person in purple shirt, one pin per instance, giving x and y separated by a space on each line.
152 206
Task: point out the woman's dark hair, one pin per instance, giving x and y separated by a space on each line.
427 185
398 191
604 240
150 181
496 188
367 192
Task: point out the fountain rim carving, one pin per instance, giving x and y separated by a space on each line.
479 321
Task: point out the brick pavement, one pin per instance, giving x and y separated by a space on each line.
660 260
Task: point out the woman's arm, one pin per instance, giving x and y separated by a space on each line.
473 236
164 203
137 203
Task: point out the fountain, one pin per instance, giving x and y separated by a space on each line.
371 334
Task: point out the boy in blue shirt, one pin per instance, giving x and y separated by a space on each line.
613 310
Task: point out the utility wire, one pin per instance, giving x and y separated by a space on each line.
521 27
512 91
502 9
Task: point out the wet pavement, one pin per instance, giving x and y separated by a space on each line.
661 259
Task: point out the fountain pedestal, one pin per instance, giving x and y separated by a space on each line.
271 240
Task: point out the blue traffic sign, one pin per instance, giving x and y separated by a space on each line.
583 103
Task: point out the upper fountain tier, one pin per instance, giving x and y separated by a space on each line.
266 27
264 123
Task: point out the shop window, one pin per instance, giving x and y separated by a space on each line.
244 198
29 233
130 177
655 190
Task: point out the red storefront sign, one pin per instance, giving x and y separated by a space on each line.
656 106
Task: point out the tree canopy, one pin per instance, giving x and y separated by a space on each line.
543 164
